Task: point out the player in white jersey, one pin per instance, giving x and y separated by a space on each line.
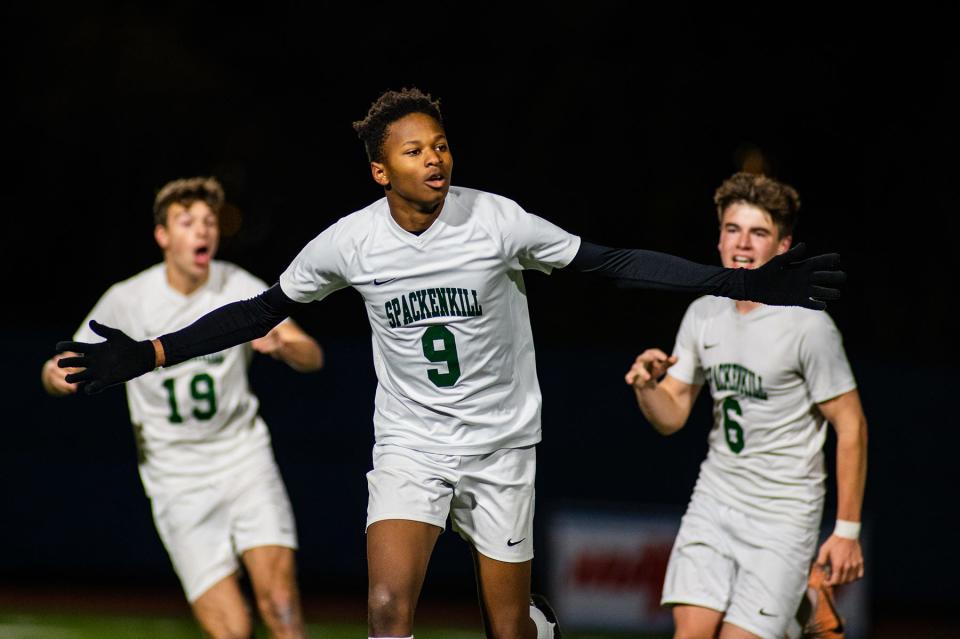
457 409
776 374
205 457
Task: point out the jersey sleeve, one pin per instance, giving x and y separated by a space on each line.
317 271
823 362
107 312
531 242
687 369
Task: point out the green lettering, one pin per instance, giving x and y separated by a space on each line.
417 316
396 309
454 307
389 310
422 301
442 301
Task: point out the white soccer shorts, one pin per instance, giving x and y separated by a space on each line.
489 498
753 570
206 527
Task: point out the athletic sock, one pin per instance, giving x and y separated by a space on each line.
544 627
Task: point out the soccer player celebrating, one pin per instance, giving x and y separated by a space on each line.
457 408
205 456
739 565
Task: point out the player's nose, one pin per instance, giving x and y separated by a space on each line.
432 158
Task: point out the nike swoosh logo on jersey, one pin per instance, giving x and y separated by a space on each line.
511 542
706 346
377 282
767 614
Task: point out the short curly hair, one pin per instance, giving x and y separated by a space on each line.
186 191
780 200
387 109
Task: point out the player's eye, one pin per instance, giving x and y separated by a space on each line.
441 148
413 152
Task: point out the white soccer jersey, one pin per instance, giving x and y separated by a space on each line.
452 344
767 370
198 417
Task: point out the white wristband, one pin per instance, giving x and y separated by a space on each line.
847 529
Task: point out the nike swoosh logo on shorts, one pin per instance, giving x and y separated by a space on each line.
511 542
706 346
767 614
377 282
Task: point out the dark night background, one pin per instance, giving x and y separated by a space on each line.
616 125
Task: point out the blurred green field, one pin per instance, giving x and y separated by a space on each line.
93 626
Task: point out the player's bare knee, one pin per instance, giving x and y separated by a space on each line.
278 606
234 628
388 610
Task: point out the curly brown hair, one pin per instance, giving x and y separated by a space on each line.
185 192
387 109
780 200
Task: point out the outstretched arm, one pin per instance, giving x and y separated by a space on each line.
786 280
120 358
665 401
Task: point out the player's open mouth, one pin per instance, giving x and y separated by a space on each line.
201 255
437 181
742 260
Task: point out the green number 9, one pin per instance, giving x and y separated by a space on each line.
446 355
201 389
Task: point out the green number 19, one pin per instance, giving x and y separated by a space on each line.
446 354
201 390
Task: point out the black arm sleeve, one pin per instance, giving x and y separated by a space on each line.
637 268
228 326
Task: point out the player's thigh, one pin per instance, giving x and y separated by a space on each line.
222 610
272 569
696 622
701 570
732 631
398 552
260 510
493 503
194 526
773 560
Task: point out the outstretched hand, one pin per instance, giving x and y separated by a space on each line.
105 364
788 280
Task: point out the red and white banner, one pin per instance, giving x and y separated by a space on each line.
606 572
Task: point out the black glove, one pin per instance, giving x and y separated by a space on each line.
108 363
787 280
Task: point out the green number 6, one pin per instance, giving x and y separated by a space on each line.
447 354
731 428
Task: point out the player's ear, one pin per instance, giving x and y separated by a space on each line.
784 244
379 172
161 236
